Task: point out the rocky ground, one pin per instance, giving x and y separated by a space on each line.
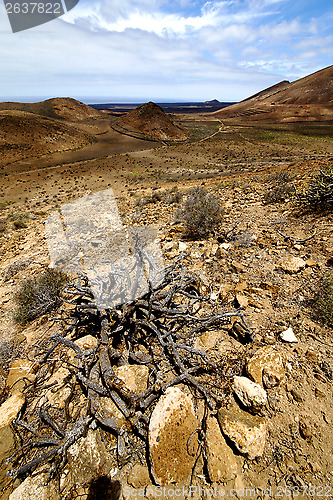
270 435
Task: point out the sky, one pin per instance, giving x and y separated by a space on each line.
177 50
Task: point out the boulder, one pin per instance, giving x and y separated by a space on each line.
293 264
88 458
246 431
19 369
34 488
252 395
172 423
60 390
10 409
265 367
135 377
222 463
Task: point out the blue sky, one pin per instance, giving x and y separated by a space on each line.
180 50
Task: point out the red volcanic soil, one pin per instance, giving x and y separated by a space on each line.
150 121
308 99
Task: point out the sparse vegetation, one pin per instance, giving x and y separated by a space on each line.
200 213
19 220
3 226
323 302
39 296
7 353
279 192
319 193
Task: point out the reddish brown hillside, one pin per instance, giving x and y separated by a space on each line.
307 99
149 120
64 108
25 135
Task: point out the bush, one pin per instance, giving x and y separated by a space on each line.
319 194
323 302
200 213
39 296
19 220
278 193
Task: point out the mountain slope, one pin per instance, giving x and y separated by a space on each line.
307 99
24 135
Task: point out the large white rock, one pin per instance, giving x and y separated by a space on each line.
246 431
10 408
288 336
172 454
250 394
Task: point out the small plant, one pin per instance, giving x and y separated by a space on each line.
7 353
323 301
200 213
278 193
19 220
173 196
39 296
319 193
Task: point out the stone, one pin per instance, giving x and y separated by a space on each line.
246 431
19 369
135 377
311 263
252 395
240 287
7 448
222 463
225 292
182 247
293 264
288 336
88 458
305 428
238 267
266 367
10 409
139 476
172 423
319 393
35 488
60 390
296 395
312 356
242 301
86 342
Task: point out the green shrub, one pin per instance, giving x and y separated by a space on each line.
39 296
323 302
319 193
200 213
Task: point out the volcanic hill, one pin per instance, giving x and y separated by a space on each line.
64 108
309 99
151 122
26 135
